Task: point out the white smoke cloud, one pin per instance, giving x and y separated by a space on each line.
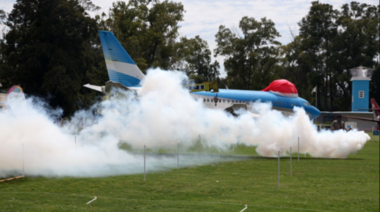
163 112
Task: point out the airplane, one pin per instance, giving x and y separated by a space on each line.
376 114
124 73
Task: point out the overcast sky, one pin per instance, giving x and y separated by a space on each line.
203 17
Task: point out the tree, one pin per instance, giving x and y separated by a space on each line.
147 30
194 57
3 15
47 50
318 31
296 70
331 43
356 45
251 58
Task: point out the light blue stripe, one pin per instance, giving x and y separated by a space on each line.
123 79
112 49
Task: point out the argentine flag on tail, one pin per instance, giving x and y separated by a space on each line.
120 66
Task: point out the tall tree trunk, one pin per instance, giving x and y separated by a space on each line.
325 92
153 53
331 93
318 98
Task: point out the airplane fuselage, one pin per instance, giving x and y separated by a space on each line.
123 71
226 98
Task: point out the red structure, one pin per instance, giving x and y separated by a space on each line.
282 87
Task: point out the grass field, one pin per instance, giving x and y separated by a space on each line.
316 185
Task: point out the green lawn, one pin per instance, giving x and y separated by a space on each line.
316 185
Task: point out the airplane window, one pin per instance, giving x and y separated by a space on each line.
232 101
282 103
212 100
228 101
220 100
224 101
204 100
208 100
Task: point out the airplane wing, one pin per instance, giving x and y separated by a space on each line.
254 115
94 87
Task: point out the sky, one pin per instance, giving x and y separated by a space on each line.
203 18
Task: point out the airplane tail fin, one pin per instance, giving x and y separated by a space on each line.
375 107
120 66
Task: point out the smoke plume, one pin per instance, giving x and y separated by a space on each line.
162 112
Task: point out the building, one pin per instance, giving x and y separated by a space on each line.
360 100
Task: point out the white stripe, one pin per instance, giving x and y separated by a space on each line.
125 68
244 208
285 94
92 200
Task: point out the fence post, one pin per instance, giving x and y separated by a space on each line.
144 162
177 155
290 161
23 166
200 144
298 149
279 169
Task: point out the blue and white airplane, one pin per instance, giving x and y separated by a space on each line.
123 71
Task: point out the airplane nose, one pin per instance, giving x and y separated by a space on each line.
315 112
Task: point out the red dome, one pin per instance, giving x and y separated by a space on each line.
282 87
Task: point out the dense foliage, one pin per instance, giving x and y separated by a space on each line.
51 48
47 50
252 58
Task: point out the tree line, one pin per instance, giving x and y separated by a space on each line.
51 48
